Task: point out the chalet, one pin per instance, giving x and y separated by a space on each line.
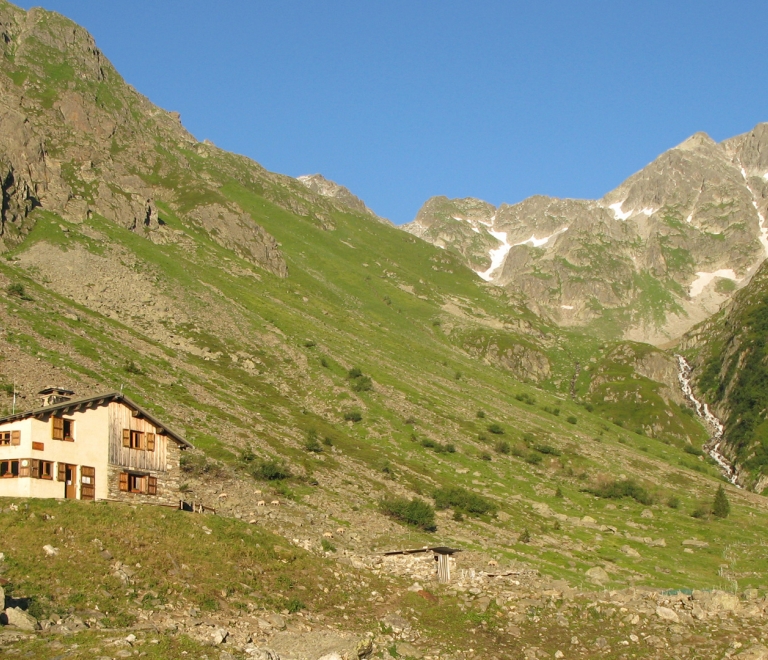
102 447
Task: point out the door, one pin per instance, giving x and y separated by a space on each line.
87 483
70 491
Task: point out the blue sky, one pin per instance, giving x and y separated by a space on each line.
403 100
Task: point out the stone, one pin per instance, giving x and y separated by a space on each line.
276 621
667 614
630 551
722 601
695 543
588 520
2 598
751 594
406 650
50 551
219 636
21 619
756 652
646 513
256 653
598 574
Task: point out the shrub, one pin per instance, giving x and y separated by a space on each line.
312 444
690 449
526 398
457 375
619 489
701 512
324 362
485 456
354 372
415 512
309 343
362 384
294 605
533 458
131 367
517 450
559 492
721 507
353 416
502 447
410 420
17 290
327 546
482 437
450 448
589 407
571 419
673 502
496 429
463 500
546 449
480 414
525 537
270 470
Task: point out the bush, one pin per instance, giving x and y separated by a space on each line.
533 458
328 441
131 367
324 362
353 416
526 398
270 470
327 546
701 512
673 502
415 512
690 449
485 456
362 384
525 537
721 507
615 490
559 493
463 500
496 429
354 372
312 443
571 419
17 290
480 414
502 447
546 449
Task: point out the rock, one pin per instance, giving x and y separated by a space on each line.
406 650
695 543
722 601
598 575
667 614
321 644
630 551
757 652
106 554
50 551
260 654
2 598
219 637
588 520
276 621
21 619
751 594
397 623
647 513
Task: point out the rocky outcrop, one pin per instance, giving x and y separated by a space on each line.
659 253
343 196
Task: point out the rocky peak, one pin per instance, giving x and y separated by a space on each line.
317 183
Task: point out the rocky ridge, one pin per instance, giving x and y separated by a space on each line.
656 255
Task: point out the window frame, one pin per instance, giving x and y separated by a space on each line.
7 468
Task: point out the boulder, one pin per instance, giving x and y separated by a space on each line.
667 614
598 575
50 551
630 551
21 619
757 652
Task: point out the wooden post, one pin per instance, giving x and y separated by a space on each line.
443 568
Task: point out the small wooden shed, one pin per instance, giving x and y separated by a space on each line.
441 554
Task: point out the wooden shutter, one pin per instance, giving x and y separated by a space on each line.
150 442
24 469
35 471
87 483
151 485
126 437
15 437
124 482
61 474
58 428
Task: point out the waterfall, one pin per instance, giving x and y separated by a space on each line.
712 447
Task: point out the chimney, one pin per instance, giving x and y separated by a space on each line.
53 395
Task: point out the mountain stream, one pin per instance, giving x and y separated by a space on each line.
712 447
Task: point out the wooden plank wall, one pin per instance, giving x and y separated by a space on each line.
121 417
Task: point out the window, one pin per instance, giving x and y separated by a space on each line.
138 440
8 438
41 470
138 483
63 429
9 469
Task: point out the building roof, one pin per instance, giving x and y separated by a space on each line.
68 407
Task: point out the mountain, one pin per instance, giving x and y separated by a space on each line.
646 262
347 370
327 188
728 355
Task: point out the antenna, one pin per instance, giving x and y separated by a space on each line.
13 408
121 387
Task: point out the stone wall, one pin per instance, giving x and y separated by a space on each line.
168 481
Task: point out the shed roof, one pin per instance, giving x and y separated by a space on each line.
73 405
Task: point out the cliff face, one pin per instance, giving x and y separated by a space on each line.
647 261
729 357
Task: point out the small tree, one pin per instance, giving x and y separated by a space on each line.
721 507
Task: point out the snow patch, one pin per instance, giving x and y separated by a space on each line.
689 218
498 255
538 242
765 176
703 279
618 213
566 306
648 211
